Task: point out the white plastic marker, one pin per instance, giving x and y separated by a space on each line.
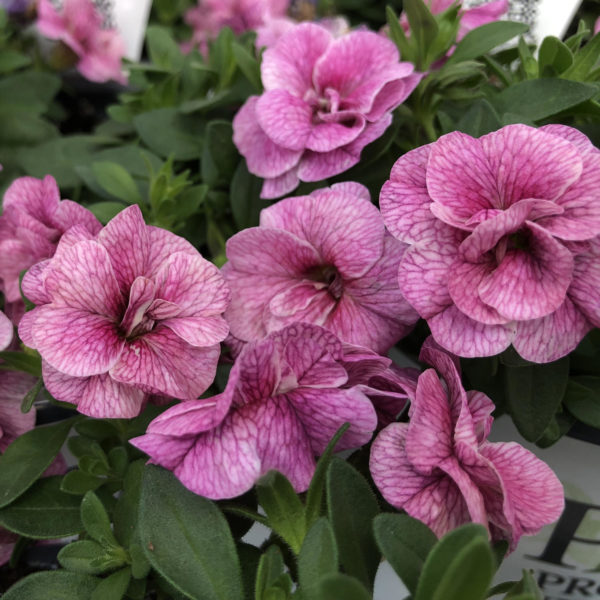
131 19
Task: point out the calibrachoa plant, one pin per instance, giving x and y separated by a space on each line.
306 265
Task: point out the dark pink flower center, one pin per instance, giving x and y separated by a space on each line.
330 276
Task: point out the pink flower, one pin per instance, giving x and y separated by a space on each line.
210 16
132 312
268 34
32 222
6 331
325 99
78 24
440 468
283 403
387 386
504 239
470 18
324 259
597 26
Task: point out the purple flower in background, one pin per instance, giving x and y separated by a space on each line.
16 6
324 259
285 399
440 468
325 99
210 16
32 222
504 239
132 312
78 24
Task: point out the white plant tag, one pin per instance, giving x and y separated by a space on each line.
130 17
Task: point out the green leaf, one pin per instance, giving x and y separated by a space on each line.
469 574
246 203
43 512
166 132
219 157
95 520
222 59
23 361
31 395
526 589
318 556
352 508
98 429
270 568
140 567
541 98
585 60
162 48
405 542
479 119
114 179
397 34
248 65
84 556
314 496
486 38
78 483
30 92
126 511
341 587
52 585
11 60
582 399
534 393
440 558
187 539
554 57
423 27
114 586
28 457
285 511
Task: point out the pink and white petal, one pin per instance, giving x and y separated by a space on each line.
530 284
141 296
6 331
276 187
161 362
583 290
164 450
394 93
164 244
194 284
221 463
25 329
322 412
581 217
127 242
481 409
192 417
38 198
531 487
13 423
460 178
15 256
551 337
583 143
297 298
290 63
463 285
74 341
429 436
263 156
424 272
337 130
256 373
199 331
98 396
496 225
69 213
345 229
83 278
465 337
357 66
284 118
405 203
477 16
32 283
349 188
315 166
529 163
282 259
400 484
315 311
74 235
